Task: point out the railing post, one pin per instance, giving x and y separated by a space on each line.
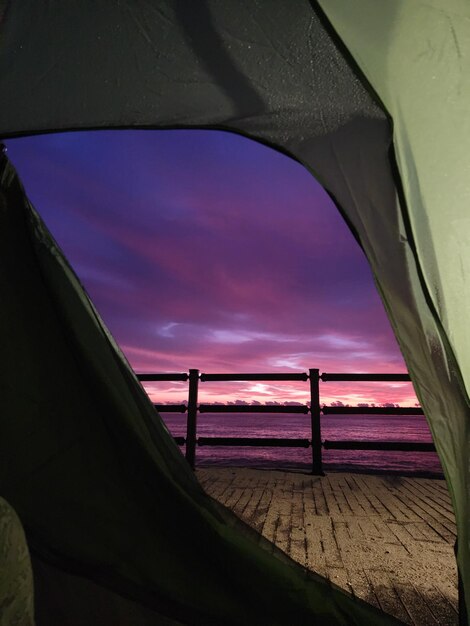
316 426
191 425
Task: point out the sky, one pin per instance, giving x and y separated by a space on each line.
203 249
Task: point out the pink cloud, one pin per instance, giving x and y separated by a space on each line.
207 250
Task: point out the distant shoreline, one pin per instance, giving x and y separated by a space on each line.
302 468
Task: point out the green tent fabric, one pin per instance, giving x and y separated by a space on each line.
101 488
374 102
16 576
416 54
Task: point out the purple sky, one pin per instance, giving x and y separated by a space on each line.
204 249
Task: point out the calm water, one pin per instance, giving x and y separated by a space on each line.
359 427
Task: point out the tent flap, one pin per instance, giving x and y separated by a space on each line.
101 488
425 89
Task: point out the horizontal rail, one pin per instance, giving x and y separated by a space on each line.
302 376
404 446
160 377
253 441
367 377
171 408
253 408
237 377
180 440
371 410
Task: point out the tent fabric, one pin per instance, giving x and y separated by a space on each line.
101 488
16 576
415 54
275 71
63 599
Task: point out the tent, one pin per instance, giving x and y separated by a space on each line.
371 98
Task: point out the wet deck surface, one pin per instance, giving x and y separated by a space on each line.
388 539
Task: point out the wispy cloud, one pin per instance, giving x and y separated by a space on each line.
203 249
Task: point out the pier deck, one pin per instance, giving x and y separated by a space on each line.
387 539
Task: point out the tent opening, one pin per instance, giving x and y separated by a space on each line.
204 249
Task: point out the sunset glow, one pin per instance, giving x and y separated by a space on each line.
202 249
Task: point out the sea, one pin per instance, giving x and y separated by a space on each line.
333 427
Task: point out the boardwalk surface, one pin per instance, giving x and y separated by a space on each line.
387 539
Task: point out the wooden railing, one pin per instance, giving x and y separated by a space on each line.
313 409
